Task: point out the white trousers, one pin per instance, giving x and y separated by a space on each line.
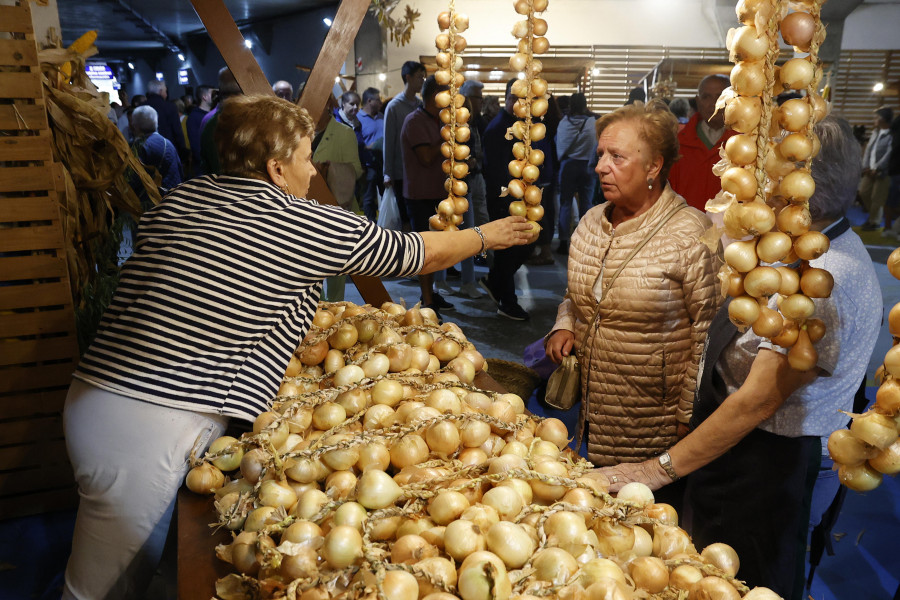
129 457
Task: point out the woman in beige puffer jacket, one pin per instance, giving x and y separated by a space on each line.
640 360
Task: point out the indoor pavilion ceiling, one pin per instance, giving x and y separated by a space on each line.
152 27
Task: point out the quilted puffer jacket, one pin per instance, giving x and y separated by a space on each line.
640 361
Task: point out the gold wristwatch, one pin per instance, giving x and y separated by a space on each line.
665 461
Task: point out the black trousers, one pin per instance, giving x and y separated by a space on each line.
502 276
756 498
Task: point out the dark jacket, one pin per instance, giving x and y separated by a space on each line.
169 124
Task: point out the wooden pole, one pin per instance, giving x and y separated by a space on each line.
230 42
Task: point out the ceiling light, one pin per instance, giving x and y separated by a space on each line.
337 79
159 76
327 21
595 71
382 77
496 75
181 57
521 75
474 66
131 66
248 43
878 87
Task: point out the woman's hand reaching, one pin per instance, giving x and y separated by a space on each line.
510 231
560 345
649 472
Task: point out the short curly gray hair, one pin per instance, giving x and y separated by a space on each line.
144 119
836 169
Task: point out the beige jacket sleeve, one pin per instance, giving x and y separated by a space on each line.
702 299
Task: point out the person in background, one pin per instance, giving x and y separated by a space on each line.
876 183
500 283
336 156
347 113
209 154
759 429
491 108
636 94
401 106
700 140
681 108
178 368
892 206
284 90
576 145
423 179
201 109
639 335
372 125
473 90
169 120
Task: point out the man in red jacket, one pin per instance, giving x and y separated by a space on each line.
699 142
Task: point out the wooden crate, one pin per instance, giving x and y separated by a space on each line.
38 345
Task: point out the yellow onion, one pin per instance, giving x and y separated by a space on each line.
554 565
377 490
245 556
462 538
741 149
874 428
811 245
790 281
741 255
757 217
802 356
439 569
748 78
447 506
743 311
505 500
894 320
410 549
861 478
740 182
722 556
734 284
750 12
231 450
847 449
713 588
761 593
548 491
797 74
797 307
204 479
796 147
892 362
400 585
794 220
762 282
511 543
669 541
816 283
748 45
797 186
769 323
614 538
606 588
773 246
649 573
794 114
797 29
683 577
483 576
742 114
790 332
887 399
596 568
888 460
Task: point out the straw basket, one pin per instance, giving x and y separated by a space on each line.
514 377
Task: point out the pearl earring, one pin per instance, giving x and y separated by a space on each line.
649 184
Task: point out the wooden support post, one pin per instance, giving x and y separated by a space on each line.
230 42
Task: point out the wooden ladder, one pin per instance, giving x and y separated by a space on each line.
38 342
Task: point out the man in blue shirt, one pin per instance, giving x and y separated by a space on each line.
372 122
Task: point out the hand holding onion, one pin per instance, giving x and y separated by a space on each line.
648 472
506 232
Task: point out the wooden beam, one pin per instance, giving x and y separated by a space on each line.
228 39
332 55
230 42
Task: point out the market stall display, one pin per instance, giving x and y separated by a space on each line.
870 449
382 471
766 180
532 103
455 131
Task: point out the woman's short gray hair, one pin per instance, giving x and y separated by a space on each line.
144 119
836 169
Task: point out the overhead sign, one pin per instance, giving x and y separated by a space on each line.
102 75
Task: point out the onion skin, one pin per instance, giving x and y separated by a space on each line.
802 356
723 556
797 29
862 478
743 312
888 460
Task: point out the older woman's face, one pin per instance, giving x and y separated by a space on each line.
300 170
624 163
351 107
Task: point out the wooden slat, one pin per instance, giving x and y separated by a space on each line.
18 53
35 208
30 454
16 19
37 266
30 147
198 567
34 295
20 85
334 51
22 379
27 431
30 481
35 403
21 116
37 323
38 503
39 237
26 179
39 350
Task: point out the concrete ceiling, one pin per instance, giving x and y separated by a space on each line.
151 28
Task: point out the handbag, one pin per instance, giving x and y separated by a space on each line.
564 387
388 211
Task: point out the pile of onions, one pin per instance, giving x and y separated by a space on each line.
379 452
454 115
766 181
533 102
870 449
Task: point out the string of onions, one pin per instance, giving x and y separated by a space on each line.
766 180
870 449
532 103
454 115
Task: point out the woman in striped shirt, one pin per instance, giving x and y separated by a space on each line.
222 286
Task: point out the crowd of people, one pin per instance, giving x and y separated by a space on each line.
673 396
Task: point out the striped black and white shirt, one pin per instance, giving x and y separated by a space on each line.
222 286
